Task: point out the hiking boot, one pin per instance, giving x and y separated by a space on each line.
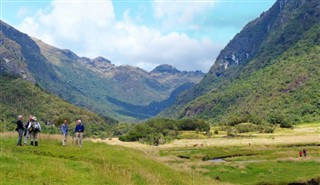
31 143
36 143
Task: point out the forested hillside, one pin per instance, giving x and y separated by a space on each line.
22 97
269 72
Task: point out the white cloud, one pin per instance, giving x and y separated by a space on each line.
180 13
90 29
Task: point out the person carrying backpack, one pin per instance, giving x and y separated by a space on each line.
64 130
34 128
19 129
26 132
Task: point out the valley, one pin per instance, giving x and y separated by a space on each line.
245 122
249 158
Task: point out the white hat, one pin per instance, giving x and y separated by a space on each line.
34 118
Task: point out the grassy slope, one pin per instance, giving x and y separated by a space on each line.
289 86
283 72
21 97
94 163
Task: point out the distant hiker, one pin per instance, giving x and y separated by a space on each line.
19 129
304 152
79 132
26 131
64 131
34 128
300 153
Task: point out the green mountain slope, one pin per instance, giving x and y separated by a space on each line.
22 97
95 84
116 90
269 72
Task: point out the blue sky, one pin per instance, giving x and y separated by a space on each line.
187 34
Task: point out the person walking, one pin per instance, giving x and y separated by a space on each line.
64 130
79 132
300 153
19 129
304 152
26 131
34 129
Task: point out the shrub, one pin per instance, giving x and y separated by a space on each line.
246 127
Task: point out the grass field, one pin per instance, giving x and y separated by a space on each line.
253 158
94 163
250 158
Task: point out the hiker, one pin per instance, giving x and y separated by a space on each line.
64 130
19 129
300 153
79 132
34 128
304 152
26 131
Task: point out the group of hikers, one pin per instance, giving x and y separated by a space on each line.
32 129
304 152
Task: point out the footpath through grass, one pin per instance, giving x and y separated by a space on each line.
94 163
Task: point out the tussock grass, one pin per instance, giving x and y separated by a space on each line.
94 163
252 158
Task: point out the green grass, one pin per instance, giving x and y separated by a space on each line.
266 172
261 163
94 163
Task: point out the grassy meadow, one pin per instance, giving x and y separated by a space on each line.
94 163
249 158
252 158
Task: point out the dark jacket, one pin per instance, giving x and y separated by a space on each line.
19 125
79 128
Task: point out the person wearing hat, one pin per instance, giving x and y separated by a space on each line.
79 132
26 132
19 129
64 130
34 129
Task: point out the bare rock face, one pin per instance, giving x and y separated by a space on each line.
11 59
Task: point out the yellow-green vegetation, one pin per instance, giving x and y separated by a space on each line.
252 158
94 163
263 76
161 130
22 97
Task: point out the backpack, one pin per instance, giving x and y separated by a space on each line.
34 127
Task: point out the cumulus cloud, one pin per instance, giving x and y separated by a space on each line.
180 13
91 29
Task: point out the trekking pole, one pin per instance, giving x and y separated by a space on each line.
73 139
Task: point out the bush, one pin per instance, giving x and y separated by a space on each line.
198 125
232 131
246 127
161 130
266 128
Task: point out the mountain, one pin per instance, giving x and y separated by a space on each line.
269 72
19 96
95 84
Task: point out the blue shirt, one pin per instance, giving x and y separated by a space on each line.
64 129
79 128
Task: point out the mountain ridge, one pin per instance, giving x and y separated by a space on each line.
90 83
287 28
